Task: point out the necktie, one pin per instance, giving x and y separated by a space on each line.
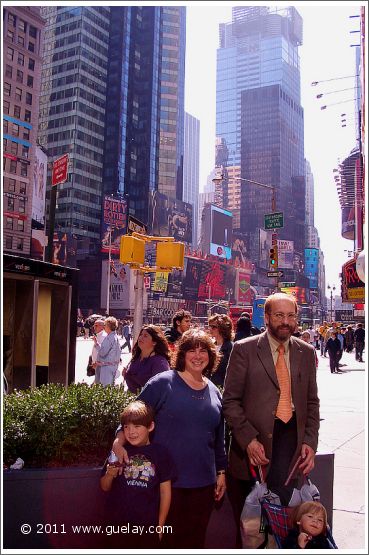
284 409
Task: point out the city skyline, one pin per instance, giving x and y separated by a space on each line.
329 48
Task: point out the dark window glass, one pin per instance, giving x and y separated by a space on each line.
31 46
32 31
31 64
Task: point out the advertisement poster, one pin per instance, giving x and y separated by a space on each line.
114 223
64 249
192 276
265 242
239 249
244 293
312 266
300 293
160 284
121 285
221 232
39 186
285 253
175 283
171 218
212 281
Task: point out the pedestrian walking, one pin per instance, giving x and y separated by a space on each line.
108 353
359 338
126 332
333 347
100 333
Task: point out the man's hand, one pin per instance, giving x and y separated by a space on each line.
256 453
307 456
220 487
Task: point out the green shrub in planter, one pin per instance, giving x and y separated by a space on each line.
53 425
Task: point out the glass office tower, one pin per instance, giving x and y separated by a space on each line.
260 119
144 135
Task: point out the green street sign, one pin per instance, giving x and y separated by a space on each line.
273 221
287 284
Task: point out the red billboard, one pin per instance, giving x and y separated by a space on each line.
114 223
60 170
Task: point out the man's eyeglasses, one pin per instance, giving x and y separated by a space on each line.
280 316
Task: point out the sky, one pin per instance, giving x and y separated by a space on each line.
325 54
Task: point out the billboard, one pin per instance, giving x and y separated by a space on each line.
221 232
244 293
353 289
238 250
171 217
265 242
114 219
312 267
39 186
64 249
121 285
300 293
212 281
175 283
160 284
285 253
192 276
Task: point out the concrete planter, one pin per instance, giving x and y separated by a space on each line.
47 503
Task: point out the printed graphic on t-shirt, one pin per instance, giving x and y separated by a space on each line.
139 471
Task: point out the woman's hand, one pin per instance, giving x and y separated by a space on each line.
220 487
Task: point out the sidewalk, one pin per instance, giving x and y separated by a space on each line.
342 432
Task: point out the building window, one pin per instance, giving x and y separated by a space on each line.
28 98
7 89
17 111
10 35
27 116
20 40
26 134
14 148
20 225
22 26
11 204
31 64
29 81
24 169
15 130
32 31
22 206
13 166
22 188
20 59
18 93
11 19
11 185
31 46
9 223
19 76
5 126
6 106
10 54
8 242
19 244
25 151
8 71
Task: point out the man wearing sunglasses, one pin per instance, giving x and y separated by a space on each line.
271 404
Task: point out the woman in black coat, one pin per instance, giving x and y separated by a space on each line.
334 349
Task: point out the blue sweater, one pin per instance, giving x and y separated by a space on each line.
190 424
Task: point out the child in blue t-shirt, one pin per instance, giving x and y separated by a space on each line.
141 490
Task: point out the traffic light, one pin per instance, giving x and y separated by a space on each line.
273 256
132 250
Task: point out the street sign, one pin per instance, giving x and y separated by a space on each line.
136 225
276 273
273 221
287 284
60 170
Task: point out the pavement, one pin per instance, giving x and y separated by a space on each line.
343 402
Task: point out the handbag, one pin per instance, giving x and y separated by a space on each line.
90 370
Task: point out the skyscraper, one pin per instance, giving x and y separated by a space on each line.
23 29
260 119
144 132
191 168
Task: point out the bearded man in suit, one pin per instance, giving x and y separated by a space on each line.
271 404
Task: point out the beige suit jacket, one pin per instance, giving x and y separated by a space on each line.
251 395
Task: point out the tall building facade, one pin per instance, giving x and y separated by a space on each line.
23 29
72 111
144 137
191 169
260 120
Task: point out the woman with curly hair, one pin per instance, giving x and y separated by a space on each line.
150 356
190 424
221 329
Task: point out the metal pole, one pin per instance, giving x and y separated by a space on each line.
50 244
138 310
108 280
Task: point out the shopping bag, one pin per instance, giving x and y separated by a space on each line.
253 533
90 370
307 492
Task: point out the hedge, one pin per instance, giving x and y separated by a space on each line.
54 425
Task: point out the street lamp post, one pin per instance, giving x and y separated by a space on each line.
331 288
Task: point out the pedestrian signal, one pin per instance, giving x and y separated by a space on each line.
132 250
170 255
273 256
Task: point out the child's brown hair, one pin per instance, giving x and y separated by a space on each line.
139 413
313 507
